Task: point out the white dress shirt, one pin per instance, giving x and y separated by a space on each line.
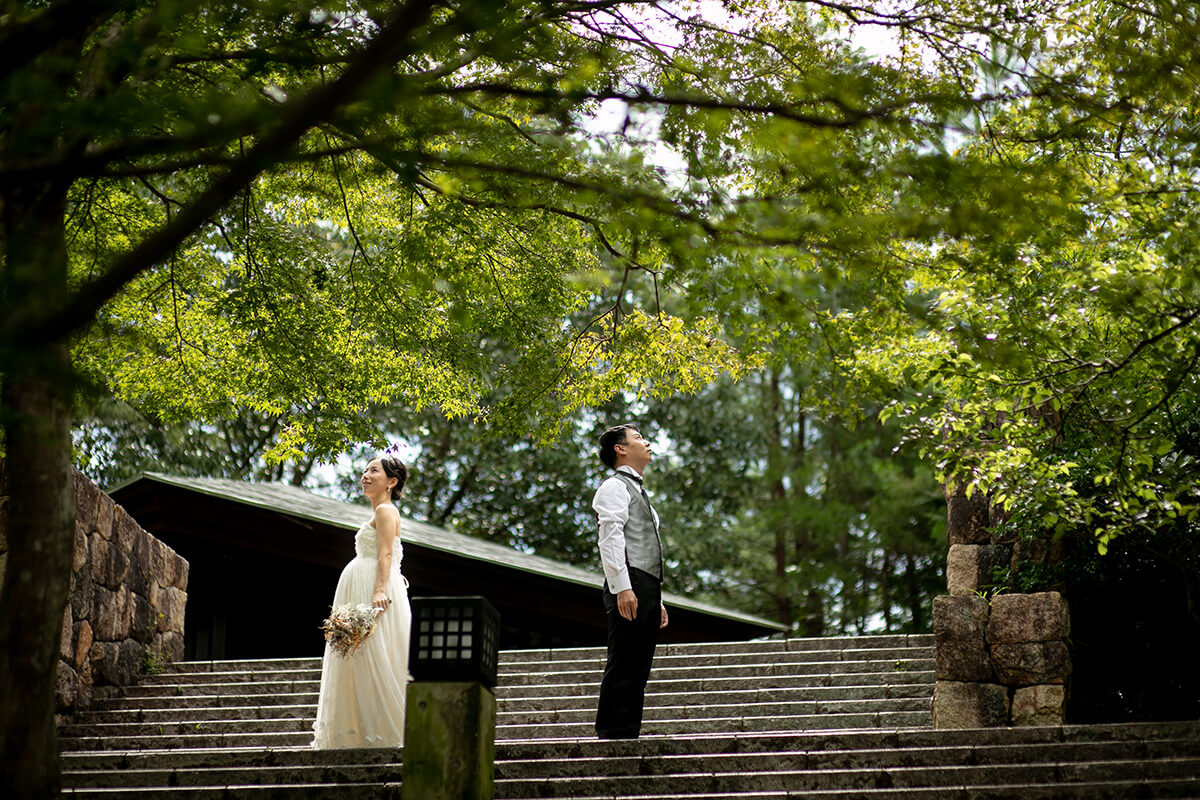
611 505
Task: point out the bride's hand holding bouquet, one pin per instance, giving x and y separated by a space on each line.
349 626
380 601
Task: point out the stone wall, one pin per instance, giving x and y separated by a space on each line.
1002 659
128 592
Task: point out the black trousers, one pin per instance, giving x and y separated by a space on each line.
630 654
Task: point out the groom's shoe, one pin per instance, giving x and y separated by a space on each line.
616 734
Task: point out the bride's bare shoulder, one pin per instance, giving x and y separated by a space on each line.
385 511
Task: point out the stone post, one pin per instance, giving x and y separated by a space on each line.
449 746
1003 662
1027 639
450 717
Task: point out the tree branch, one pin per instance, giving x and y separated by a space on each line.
850 116
64 21
23 328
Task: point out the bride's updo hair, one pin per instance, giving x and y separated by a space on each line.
394 468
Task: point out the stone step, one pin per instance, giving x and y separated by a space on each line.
201 727
774 718
710 683
701 679
754 695
834 740
294 731
192 774
552 710
248 665
185 741
196 776
1098 790
199 701
320 791
182 758
1184 789
726 711
878 758
182 689
231 676
152 769
148 717
784 780
736 724
578 723
705 683
726 659
880 641
792 662
118 709
735 671
508 657
232 751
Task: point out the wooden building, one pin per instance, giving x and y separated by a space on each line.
265 558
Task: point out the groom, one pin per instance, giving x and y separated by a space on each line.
631 553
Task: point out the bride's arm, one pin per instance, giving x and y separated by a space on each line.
387 528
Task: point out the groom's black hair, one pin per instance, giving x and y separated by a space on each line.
610 439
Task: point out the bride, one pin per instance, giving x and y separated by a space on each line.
361 703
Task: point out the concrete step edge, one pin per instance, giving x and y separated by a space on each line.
852 779
300 699
743 710
189 714
739 671
283 791
705 684
898 691
277 756
734 659
652 744
509 658
869 642
919 662
790 723
935 757
205 775
1109 790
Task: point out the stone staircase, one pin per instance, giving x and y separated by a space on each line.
804 718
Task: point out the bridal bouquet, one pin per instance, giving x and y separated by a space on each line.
348 627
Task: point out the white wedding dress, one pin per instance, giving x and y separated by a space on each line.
361 703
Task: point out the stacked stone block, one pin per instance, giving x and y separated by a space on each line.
126 602
128 594
1002 661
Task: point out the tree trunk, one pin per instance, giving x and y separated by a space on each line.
813 623
885 590
779 516
36 399
912 581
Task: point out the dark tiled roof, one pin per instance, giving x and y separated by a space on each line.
297 502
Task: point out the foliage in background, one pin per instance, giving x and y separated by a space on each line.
838 534
1054 366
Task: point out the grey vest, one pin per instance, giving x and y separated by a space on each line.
643 548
